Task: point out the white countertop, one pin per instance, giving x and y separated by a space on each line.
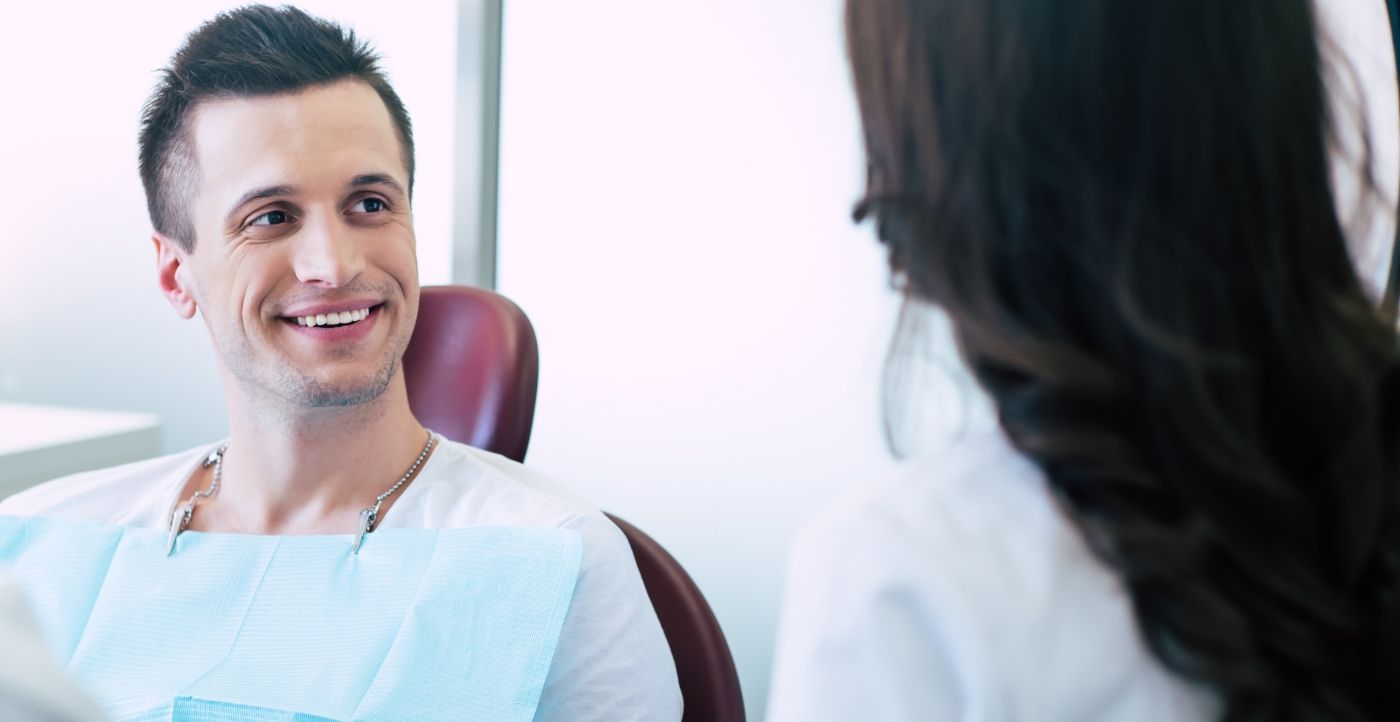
38 443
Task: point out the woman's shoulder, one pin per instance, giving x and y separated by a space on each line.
968 547
970 504
971 522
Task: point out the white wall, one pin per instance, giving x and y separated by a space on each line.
81 322
676 185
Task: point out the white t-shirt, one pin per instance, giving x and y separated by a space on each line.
612 662
959 591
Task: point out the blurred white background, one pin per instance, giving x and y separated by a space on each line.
676 186
676 179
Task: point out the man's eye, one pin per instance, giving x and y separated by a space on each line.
369 205
271 218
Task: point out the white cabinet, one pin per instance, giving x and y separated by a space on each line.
38 443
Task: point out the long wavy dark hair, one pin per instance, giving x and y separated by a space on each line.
1124 209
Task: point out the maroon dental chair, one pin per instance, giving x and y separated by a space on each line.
472 369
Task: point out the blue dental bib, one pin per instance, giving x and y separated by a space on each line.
422 624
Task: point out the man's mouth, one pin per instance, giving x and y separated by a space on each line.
343 318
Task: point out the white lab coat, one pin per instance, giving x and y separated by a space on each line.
960 592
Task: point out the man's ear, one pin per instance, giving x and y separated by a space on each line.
173 275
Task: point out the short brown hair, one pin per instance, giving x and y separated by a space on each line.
253 51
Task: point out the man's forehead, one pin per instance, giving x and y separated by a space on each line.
315 135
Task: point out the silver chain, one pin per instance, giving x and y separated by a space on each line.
180 516
369 516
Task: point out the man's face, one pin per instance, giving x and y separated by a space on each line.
304 263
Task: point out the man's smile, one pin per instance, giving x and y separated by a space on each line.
340 322
333 319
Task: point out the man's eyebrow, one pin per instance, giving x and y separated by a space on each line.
258 194
376 179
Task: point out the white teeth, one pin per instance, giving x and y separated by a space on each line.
333 319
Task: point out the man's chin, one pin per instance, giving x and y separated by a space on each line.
333 393
292 385
331 397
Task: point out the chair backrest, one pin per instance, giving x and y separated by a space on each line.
704 665
472 369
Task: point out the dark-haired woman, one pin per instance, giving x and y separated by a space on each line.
1189 505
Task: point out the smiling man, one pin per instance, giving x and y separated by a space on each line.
332 558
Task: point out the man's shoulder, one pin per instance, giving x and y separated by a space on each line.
467 486
527 478
610 611
131 494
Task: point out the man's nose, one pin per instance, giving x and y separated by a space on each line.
327 254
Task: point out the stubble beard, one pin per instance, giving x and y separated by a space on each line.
302 390
285 385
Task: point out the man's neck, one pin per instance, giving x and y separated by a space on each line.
312 471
